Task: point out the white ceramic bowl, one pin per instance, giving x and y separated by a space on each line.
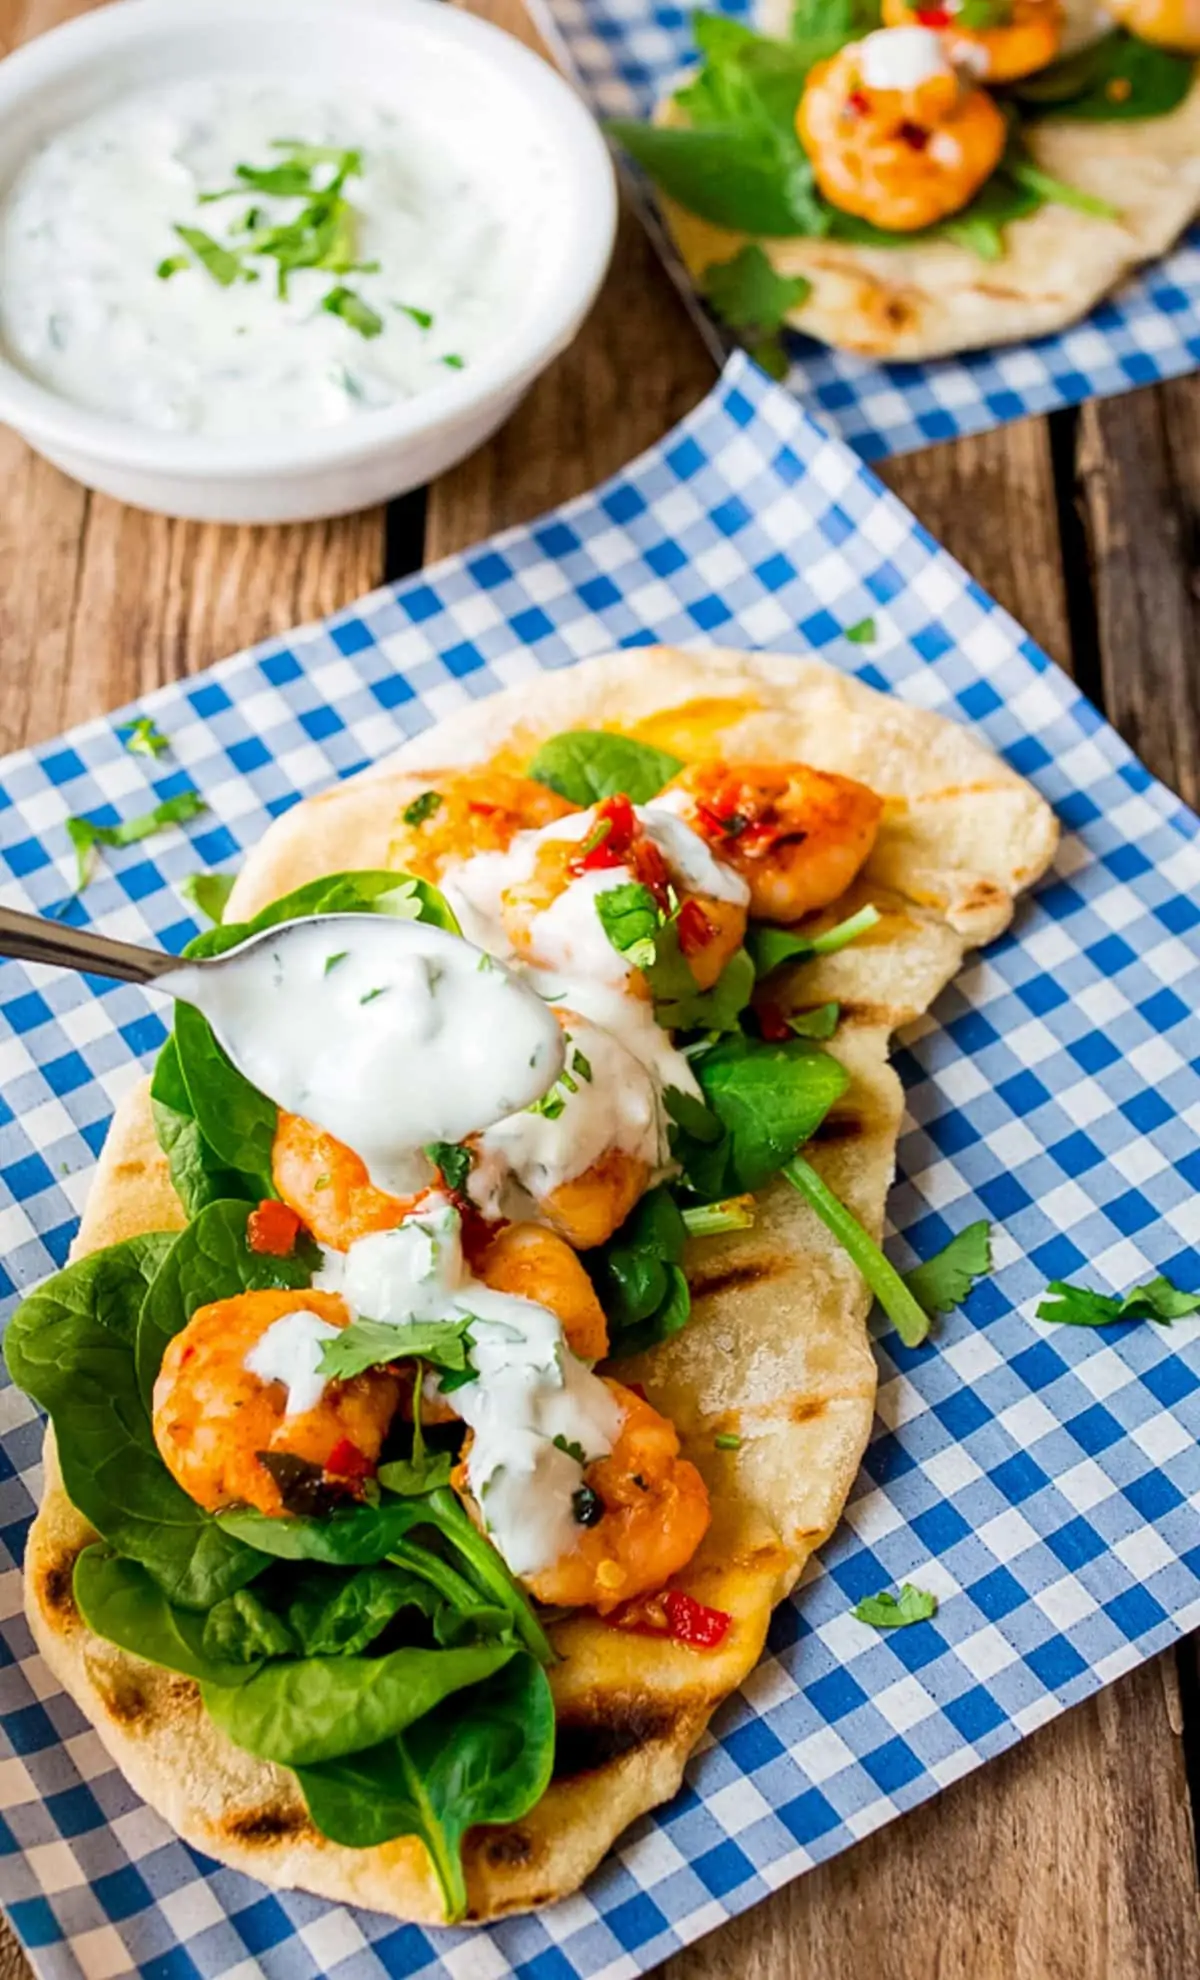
138 44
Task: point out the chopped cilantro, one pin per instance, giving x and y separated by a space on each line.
370 996
323 1182
883 1611
572 1449
453 1160
172 264
942 1282
142 738
331 962
217 261
862 633
421 317
85 833
1080 1306
581 1065
422 807
455 362
353 311
209 892
726 1440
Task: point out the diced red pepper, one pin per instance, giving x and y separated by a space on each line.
771 1022
694 928
915 136
273 1228
934 17
676 1615
608 848
345 1460
858 102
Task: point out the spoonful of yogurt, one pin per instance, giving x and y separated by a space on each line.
388 1034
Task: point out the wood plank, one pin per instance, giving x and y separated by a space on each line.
1139 491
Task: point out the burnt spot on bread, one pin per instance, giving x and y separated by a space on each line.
263 1828
57 1593
617 1726
886 1016
126 1700
747 1272
980 896
839 1126
806 1409
509 1849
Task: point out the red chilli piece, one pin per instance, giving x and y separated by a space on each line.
772 1023
675 1615
915 136
610 847
347 1462
694 928
934 17
273 1228
858 103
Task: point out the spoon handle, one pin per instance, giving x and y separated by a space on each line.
28 938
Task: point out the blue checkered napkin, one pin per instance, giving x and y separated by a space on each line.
1044 1482
624 53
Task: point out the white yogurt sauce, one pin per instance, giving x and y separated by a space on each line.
290 1352
902 58
388 1034
92 215
531 1389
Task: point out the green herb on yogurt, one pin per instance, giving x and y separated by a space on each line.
353 310
455 362
224 265
172 264
421 317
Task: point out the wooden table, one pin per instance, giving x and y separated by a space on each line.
1072 1858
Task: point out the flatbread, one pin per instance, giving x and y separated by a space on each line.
777 1350
933 299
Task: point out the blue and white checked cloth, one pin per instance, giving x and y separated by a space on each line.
1044 1482
624 53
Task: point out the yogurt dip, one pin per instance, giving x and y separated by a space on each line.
106 302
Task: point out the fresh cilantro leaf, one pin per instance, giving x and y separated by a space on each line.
331 962
883 1611
572 1450
454 362
632 919
373 1343
217 261
770 946
369 996
143 738
862 633
453 1160
411 1480
718 1010
421 317
291 180
1080 1306
209 892
942 1282
422 807
353 311
747 294
85 834
172 264
1057 192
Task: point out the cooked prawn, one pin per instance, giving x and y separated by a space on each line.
536 1264
797 835
655 1514
328 1186
1026 36
213 1418
475 811
709 930
901 159
1168 23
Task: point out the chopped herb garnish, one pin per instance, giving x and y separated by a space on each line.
371 995
770 946
421 317
485 963
727 1440
453 1160
455 362
331 962
863 633
323 1182
571 1449
209 892
736 1213
905 1313
143 738
85 833
942 1282
172 264
353 311
217 261
819 1023
581 1065
1080 1306
422 807
883 1611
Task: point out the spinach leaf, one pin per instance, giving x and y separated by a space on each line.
70 1346
121 1602
208 1261
364 1535
197 1174
770 946
208 892
235 1119
821 27
243 1630
639 1278
1117 78
483 1758
727 176
768 1098
586 765
337 1615
320 1708
717 1009
748 295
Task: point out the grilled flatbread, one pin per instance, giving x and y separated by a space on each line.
777 1349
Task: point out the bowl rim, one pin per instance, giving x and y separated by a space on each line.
46 418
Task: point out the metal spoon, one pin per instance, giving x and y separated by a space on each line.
27 938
